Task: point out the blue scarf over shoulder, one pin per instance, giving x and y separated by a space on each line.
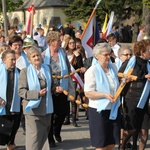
146 89
25 58
64 67
102 85
118 63
33 83
15 106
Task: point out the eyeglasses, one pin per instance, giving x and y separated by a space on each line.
71 43
105 55
20 45
127 54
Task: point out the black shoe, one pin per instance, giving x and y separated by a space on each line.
66 123
58 138
129 146
74 124
24 132
52 144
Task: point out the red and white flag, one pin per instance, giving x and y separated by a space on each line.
89 35
29 25
88 38
77 78
109 25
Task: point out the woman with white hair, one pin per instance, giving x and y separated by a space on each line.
101 83
35 84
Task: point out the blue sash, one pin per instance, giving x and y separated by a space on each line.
146 89
64 67
25 58
15 106
1 61
118 63
33 83
103 86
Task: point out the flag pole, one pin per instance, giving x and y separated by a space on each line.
32 20
92 14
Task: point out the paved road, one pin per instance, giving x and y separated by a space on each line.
74 138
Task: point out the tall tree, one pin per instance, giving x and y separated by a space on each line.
146 15
8 6
11 5
81 9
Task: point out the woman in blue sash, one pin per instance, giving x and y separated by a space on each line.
124 53
15 44
9 99
136 95
56 57
35 86
101 83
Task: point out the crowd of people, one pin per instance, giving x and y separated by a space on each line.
43 76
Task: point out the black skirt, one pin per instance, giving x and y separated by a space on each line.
133 116
103 131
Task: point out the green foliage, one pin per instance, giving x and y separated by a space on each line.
147 3
68 1
11 5
123 9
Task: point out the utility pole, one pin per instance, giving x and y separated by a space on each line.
5 18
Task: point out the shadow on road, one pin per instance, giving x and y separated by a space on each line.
74 144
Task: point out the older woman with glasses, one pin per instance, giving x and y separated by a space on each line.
101 83
136 94
56 57
124 53
16 44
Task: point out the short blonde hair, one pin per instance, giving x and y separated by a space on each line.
53 35
3 48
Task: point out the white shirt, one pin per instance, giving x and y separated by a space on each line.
41 41
140 36
90 85
115 48
20 63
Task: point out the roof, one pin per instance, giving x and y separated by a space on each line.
44 3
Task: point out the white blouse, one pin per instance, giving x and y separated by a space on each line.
91 86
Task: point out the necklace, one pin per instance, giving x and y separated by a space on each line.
55 58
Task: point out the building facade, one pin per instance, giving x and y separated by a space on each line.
47 13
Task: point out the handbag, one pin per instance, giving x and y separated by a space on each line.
6 126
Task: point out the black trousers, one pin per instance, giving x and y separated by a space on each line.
9 140
61 109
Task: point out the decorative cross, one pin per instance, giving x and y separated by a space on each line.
66 92
124 82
